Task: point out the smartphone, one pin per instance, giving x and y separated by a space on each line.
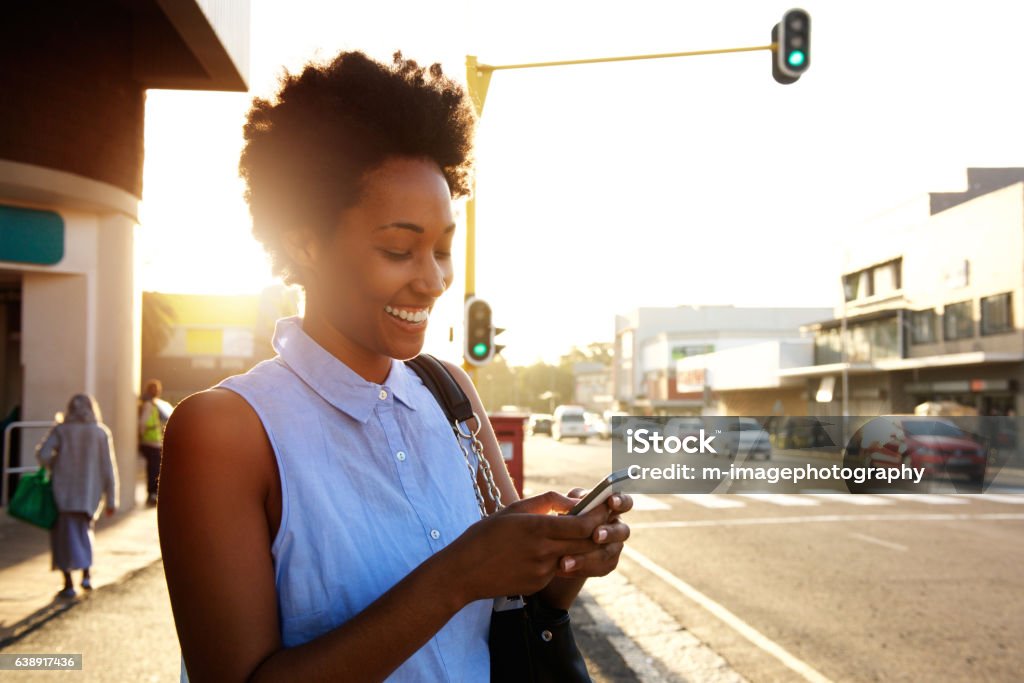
600 493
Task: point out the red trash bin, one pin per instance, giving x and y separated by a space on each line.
510 430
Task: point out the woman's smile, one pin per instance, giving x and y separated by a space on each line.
413 317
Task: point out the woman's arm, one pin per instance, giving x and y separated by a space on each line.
45 452
108 468
218 470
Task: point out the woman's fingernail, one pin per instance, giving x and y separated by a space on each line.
616 501
569 564
601 535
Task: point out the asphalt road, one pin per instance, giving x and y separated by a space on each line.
124 631
841 587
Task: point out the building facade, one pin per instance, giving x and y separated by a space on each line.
71 151
207 338
662 354
933 297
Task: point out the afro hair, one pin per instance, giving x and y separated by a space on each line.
306 154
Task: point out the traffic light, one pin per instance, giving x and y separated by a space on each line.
479 337
791 46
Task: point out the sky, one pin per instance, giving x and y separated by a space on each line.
602 188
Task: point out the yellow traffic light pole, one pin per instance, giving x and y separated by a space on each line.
478 79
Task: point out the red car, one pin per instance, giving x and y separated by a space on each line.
937 445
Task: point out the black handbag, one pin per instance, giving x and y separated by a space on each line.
529 641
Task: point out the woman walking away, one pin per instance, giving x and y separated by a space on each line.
80 454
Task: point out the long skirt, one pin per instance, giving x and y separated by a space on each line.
71 541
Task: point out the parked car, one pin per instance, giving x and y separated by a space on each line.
745 436
615 433
540 423
937 445
596 426
569 421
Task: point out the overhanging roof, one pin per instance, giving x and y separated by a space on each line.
191 44
895 364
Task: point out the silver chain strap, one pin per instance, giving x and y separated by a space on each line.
478 449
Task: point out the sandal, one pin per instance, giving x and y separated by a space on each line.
68 592
86 584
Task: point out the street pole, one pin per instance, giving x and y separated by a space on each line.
843 357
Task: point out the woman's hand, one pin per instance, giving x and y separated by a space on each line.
519 550
609 536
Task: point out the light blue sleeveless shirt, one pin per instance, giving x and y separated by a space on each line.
372 484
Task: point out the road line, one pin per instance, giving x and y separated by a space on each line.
929 498
1011 498
645 502
644 633
743 628
828 519
710 500
878 541
851 498
783 499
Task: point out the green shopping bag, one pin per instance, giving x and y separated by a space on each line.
33 500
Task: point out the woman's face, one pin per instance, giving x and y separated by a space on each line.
375 280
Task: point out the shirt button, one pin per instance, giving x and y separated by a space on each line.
435 534
383 394
400 455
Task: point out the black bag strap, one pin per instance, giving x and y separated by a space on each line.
439 380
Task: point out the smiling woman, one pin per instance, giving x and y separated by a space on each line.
315 516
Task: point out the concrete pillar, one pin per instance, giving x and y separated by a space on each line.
115 361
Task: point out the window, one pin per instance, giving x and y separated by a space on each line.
887 277
865 342
922 327
881 279
996 314
958 321
850 286
858 285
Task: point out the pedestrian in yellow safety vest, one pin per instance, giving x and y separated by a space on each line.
153 414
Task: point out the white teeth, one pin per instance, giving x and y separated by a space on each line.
418 316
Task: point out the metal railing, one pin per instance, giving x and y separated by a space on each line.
7 470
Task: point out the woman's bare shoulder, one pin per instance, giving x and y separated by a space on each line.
216 426
461 376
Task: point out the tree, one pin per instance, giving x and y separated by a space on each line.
158 318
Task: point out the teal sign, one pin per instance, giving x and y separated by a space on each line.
31 236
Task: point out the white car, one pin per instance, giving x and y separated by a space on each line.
569 421
596 426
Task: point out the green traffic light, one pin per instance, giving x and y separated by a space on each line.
480 350
796 58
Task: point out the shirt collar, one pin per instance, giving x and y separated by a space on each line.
335 382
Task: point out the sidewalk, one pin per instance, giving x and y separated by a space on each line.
624 636
125 543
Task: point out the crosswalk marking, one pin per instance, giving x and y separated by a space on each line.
811 498
1011 498
783 499
853 499
710 500
644 502
929 498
